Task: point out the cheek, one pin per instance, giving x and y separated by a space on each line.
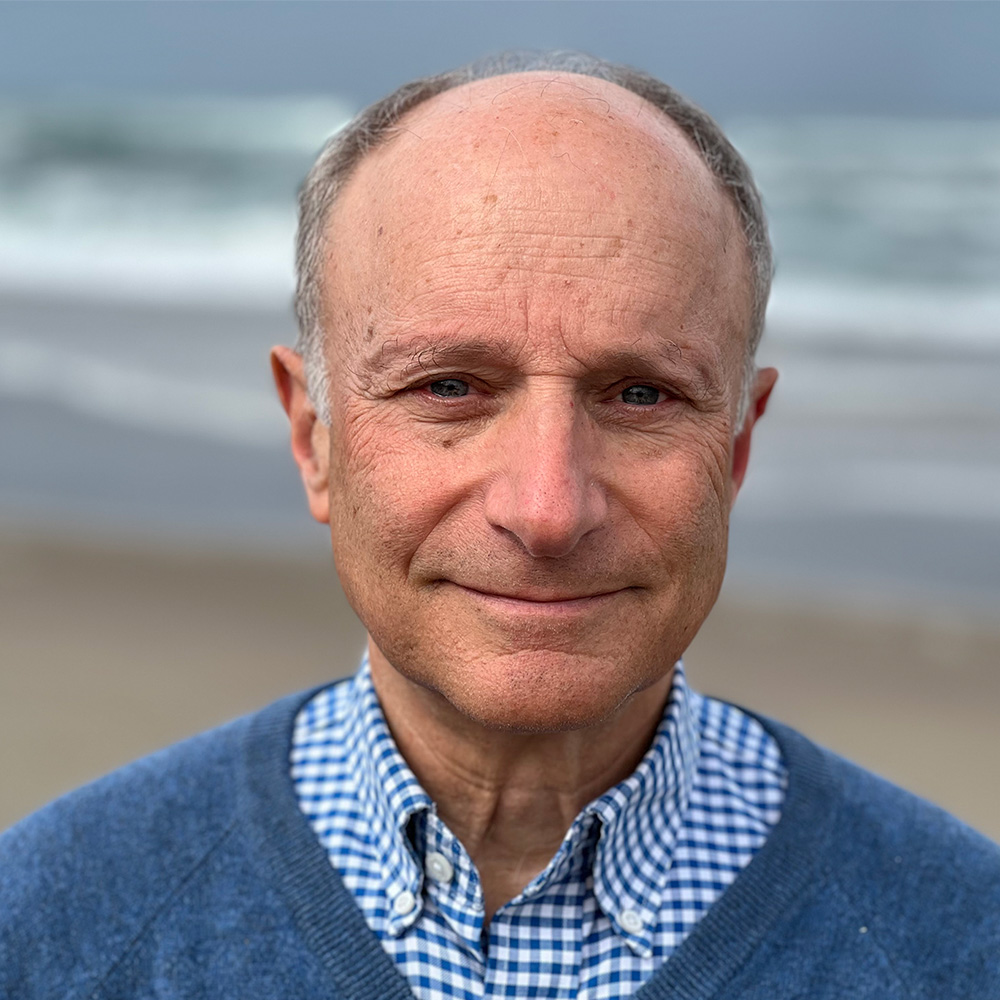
680 500
388 490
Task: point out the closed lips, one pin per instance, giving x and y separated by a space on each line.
540 597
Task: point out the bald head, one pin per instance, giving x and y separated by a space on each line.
547 139
539 115
563 141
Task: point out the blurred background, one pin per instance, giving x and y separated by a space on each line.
158 570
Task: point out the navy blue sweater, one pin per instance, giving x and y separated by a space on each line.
193 874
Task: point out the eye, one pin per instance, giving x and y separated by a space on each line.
449 387
641 395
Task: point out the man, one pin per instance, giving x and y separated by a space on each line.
523 399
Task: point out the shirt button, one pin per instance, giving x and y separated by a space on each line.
439 867
404 903
631 922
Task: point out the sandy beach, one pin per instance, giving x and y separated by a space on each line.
113 650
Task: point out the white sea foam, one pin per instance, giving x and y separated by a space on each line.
139 397
153 199
863 317
248 266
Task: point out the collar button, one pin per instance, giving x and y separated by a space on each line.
404 903
631 922
439 867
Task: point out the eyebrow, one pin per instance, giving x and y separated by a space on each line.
697 374
413 355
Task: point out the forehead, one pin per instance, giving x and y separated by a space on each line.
546 187
539 140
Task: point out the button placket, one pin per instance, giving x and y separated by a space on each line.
457 897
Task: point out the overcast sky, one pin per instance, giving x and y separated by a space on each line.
922 58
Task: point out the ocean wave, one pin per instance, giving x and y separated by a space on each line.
863 317
126 128
139 397
250 265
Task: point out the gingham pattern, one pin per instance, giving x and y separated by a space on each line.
636 871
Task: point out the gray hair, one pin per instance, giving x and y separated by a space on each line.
376 124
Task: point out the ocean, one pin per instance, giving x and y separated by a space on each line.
146 267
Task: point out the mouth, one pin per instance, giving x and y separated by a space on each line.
529 601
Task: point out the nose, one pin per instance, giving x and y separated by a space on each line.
546 494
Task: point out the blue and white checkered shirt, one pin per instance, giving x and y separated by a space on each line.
636 871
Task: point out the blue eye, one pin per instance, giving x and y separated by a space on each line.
641 395
449 387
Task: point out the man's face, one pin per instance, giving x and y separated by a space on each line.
536 307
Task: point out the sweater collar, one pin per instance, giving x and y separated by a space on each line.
287 854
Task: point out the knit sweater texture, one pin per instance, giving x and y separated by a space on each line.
192 873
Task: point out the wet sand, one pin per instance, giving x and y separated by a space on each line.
111 651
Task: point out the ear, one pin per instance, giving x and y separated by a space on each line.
761 393
310 436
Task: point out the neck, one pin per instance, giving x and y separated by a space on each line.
511 797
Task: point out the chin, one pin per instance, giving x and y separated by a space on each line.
543 691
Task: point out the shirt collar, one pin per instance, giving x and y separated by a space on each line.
636 821
389 796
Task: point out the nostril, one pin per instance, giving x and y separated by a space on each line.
548 523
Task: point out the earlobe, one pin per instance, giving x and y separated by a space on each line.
763 386
310 437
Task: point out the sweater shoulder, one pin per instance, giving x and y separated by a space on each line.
85 875
880 820
923 885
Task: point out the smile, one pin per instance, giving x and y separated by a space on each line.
542 603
